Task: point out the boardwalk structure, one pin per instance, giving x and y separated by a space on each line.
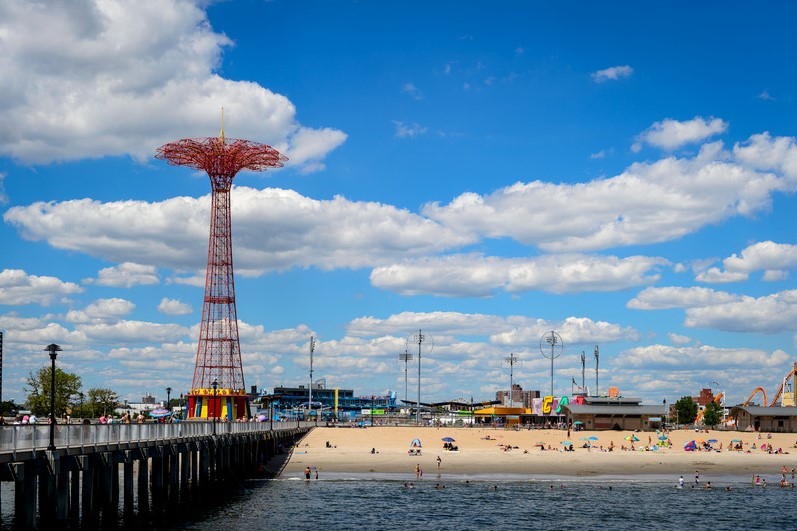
158 466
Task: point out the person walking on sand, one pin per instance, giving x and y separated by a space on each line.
439 461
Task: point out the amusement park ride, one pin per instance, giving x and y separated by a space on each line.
218 389
787 399
785 393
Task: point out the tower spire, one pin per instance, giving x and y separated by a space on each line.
221 132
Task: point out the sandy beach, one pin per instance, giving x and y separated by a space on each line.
483 451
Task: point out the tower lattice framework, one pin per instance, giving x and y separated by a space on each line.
218 357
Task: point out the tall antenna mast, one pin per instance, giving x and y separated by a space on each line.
553 340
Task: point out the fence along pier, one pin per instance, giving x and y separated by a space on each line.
143 467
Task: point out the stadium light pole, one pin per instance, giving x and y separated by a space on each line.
511 360
597 357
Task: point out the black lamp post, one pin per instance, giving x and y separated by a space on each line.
168 398
215 386
53 349
182 408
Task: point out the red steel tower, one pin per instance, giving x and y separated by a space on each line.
218 389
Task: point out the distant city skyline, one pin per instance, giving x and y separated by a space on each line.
623 175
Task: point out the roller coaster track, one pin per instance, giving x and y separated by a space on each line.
780 389
756 390
764 393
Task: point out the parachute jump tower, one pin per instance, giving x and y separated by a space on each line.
218 389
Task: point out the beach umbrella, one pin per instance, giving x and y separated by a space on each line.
690 445
578 422
712 441
448 439
700 441
592 438
736 440
584 438
567 443
662 437
632 438
261 418
416 442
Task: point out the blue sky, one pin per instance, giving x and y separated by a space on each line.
485 172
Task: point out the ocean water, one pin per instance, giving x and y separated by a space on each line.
499 502
368 502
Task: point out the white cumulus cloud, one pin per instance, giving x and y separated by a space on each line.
92 78
18 287
672 134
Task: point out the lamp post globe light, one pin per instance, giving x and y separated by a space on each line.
215 385
53 349
168 398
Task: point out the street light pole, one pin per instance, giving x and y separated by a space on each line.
168 398
215 386
53 349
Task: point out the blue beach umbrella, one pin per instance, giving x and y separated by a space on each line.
448 439
662 437
592 438
567 443
712 441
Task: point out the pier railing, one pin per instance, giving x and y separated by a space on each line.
26 437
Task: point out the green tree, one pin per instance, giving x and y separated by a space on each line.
38 389
8 408
102 401
686 409
712 414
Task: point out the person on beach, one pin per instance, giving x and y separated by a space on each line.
697 477
708 485
439 461
681 482
417 471
307 473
